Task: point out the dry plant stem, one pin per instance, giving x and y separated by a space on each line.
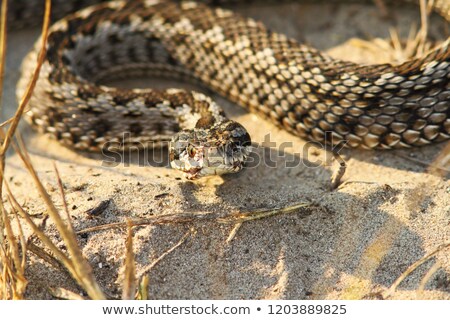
143 288
396 43
41 253
83 271
424 27
202 216
129 282
63 197
14 203
413 267
60 256
13 264
233 232
23 241
411 43
15 269
65 294
154 263
38 232
338 173
3 35
11 238
4 276
427 277
6 122
7 282
24 101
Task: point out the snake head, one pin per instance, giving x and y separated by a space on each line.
220 149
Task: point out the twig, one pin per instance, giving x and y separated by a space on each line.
413 267
339 173
233 232
154 263
428 276
235 217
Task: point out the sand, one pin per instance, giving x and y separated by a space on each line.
354 243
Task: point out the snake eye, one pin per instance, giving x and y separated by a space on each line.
191 151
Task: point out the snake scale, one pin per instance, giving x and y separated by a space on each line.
303 90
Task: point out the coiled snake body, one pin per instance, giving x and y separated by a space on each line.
300 88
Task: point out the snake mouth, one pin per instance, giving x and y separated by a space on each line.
192 173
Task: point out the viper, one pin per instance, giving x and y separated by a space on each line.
301 89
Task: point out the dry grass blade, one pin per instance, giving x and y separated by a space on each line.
12 280
143 288
82 269
129 282
233 232
23 242
41 253
427 278
416 45
64 294
63 197
5 280
27 95
38 232
423 32
3 35
11 238
15 271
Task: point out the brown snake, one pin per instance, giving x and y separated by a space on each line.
303 90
